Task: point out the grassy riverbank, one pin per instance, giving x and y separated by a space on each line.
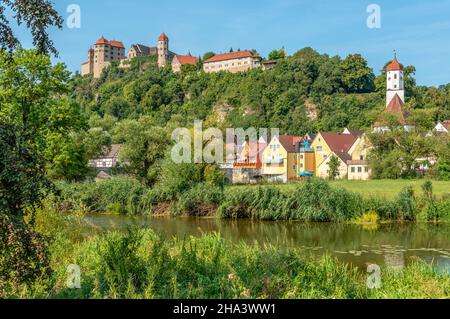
139 264
313 200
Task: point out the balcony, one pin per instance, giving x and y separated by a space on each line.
274 161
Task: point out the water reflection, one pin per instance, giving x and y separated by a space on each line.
393 245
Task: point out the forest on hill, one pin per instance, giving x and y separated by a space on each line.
305 92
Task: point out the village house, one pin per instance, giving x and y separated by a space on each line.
247 168
305 158
280 158
109 158
442 127
101 55
328 144
358 165
233 62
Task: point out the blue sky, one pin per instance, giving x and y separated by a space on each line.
418 30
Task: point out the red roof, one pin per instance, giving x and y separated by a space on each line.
163 37
394 66
187 59
289 142
102 40
230 56
338 142
395 106
117 44
446 124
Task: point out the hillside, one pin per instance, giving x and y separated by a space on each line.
305 92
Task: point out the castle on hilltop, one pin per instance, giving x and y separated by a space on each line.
104 52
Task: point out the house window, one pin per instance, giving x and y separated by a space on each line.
353 169
301 156
395 76
325 157
361 157
359 169
294 167
366 169
319 148
301 165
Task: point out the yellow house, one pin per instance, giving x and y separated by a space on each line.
327 144
280 158
306 158
358 166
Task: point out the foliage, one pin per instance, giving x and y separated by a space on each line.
333 165
24 255
144 146
22 181
38 15
140 264
314 200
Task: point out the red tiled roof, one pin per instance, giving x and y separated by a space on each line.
187 59
102 40
395 106
117 44
338 142
394 65
446 124
163 37
289 142
230 56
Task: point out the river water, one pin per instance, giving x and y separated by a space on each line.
392 244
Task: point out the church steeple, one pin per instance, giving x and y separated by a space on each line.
394 80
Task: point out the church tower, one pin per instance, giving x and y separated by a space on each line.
395 81
163 50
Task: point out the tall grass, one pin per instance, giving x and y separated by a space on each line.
314 200
139 264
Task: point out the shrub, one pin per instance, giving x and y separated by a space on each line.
313 200
24 255
201 200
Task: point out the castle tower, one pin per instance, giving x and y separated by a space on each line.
163 50
395 81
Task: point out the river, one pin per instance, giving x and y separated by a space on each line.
391 244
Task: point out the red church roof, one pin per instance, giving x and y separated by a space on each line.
230 56
395 106
394 65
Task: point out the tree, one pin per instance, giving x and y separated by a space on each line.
144 147
22 178
333 167
357 77
277 54
38 15
208 55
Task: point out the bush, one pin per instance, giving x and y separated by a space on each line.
201 200
115 195
314 201
24 255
